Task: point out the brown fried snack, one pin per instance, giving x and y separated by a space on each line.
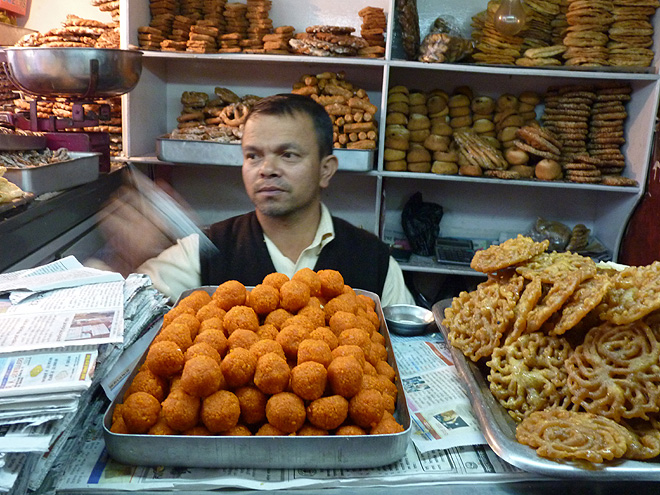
571 435
528 375
478 319
615 372
510 252
635 292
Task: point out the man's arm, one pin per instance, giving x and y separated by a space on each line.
395 290
176 269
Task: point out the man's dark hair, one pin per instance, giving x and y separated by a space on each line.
291 104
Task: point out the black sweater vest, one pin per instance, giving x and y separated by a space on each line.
242 255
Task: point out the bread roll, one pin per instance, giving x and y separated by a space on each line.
434 142
391 154
418 121
396 165
423 167
417 153
444 168
419 136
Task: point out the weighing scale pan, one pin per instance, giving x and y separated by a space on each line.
72 72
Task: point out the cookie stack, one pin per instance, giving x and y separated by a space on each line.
606 134
213 11
111 6
192 9
493 47
631 33
397 135
538 30
162 15
567 112
587 34
114 125
259 23
559 24
150 38
277 42
372 30
202 37
178 38
237 22
7 89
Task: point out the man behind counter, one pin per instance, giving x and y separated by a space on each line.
287 163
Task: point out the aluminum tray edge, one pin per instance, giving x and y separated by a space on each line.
290 452
499 429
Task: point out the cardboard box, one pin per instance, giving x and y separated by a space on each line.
16 6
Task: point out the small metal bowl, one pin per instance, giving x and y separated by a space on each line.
407 319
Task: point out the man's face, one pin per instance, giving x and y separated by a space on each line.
282 171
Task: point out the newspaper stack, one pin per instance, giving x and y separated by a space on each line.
62 329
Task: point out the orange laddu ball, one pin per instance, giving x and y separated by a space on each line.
214 337
147 381
328 412
164 358
229 294
286 412
240 317
275 279
272 374
210 310
220 411
310 278
201 376
190 321
181 410
196 299
308 380
294 295
264 299
238 367
314 350
345 376
253 404
140 412
332 283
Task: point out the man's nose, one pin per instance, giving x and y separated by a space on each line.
269 165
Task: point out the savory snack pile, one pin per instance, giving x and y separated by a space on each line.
219 119
299 356
76 32
571 349
353 115
218 26
576 135
8 190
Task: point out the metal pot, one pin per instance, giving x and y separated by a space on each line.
72 72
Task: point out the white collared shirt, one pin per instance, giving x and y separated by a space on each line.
178 268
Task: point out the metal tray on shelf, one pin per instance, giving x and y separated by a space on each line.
81 169
262 452
499 429
215 153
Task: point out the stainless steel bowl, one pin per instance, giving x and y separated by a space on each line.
72 72
407 319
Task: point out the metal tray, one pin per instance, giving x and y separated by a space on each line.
81 169
214 153
499 429
309 452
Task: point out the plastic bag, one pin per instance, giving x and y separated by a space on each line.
421 224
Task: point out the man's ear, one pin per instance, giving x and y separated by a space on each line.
329 165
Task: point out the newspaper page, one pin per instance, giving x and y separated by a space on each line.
37 373
90 469
439 406
86 315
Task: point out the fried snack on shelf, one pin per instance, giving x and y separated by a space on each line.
635 292
645 441
528 375
615 372
571 435
510 252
